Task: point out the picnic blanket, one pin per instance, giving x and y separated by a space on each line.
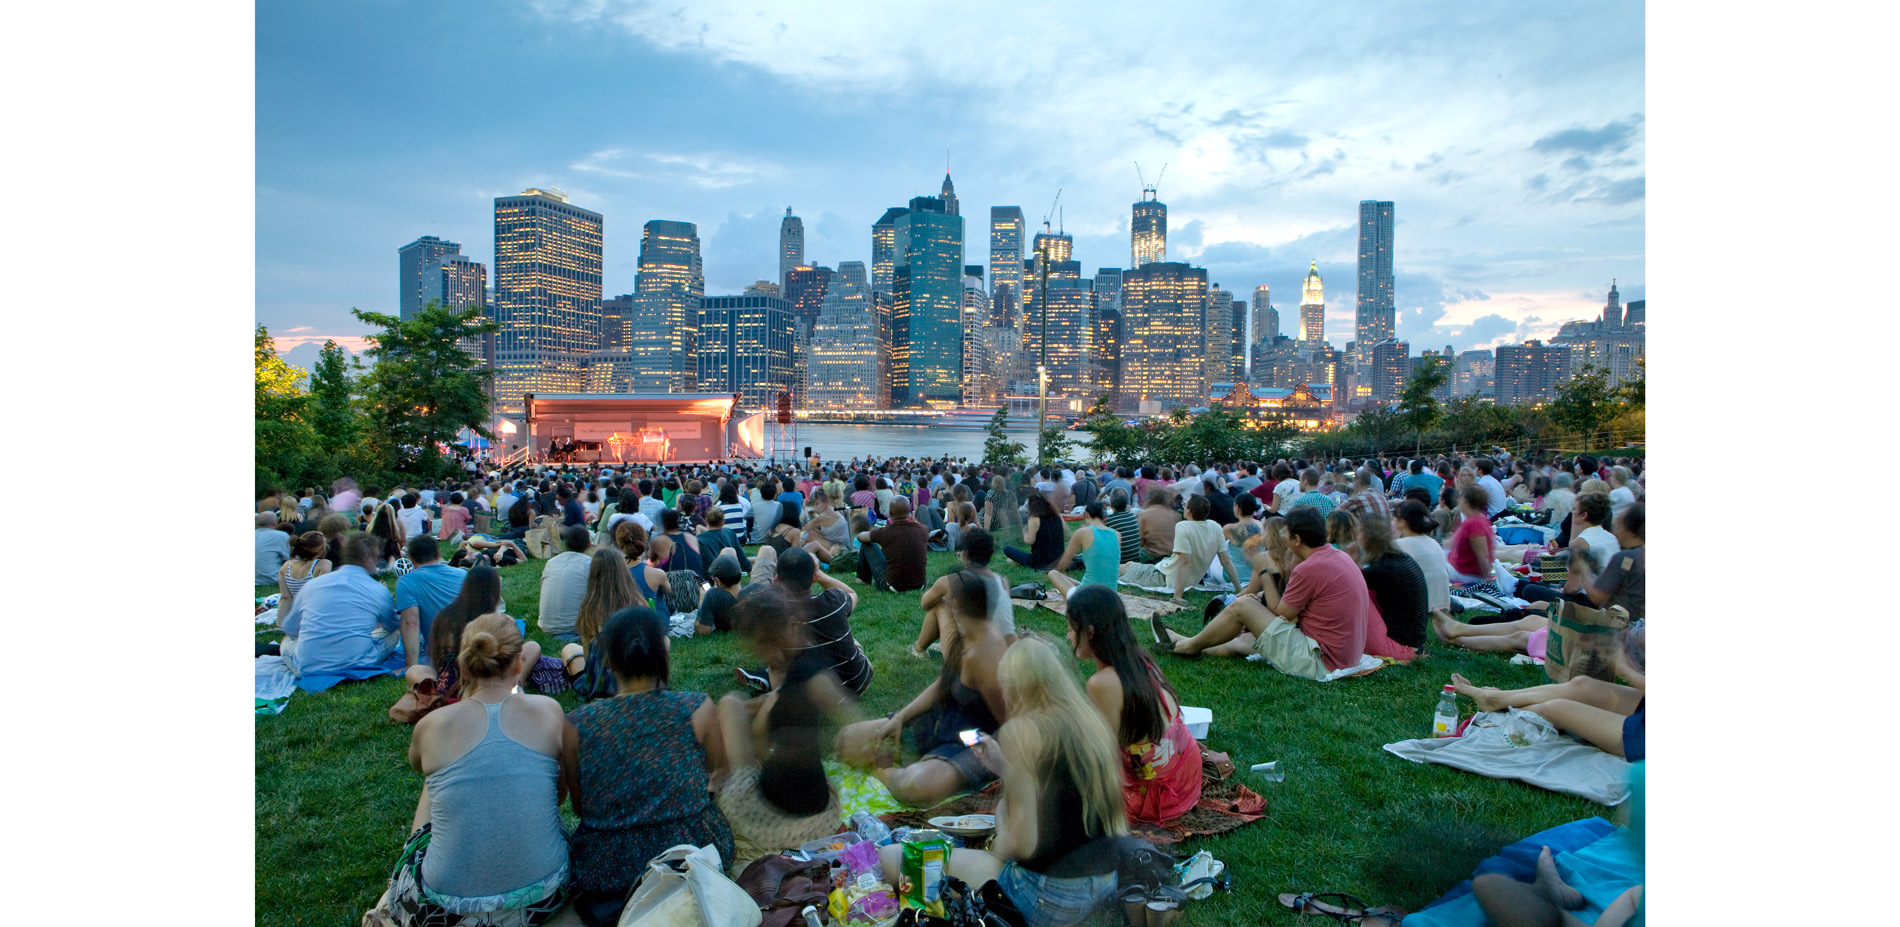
1224 806
1501 745
1595 857
274 685
1139 607
1202 586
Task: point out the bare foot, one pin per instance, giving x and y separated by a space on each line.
1445 626
1552 886
1486 696
1174 639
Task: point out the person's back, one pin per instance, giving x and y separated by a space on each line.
1331 595
273 548
1602 545
1157 524
414 518
426 589
906 546
1127 526
1201 542
564 584
765 517
1102 559
1430 558
643 775
333 626
1397 587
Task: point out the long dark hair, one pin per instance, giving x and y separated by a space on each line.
970 597
480 595
633 645
1097 608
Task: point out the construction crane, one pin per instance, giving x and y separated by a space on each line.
1052 210
1150 191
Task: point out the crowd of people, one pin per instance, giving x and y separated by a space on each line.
1330 565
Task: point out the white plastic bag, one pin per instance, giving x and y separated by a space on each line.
687 886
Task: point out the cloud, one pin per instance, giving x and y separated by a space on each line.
1487 328
1610 137
707 171
1616 192
300 328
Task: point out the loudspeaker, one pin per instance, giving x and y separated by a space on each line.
807 450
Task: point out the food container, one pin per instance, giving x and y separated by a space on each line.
829 848
1197 720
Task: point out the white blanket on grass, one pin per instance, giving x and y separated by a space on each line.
1367 663
274 678
1559 763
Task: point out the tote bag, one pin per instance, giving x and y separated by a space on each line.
687 886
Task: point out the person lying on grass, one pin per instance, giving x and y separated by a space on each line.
1161 775
1546 901
487 846
1606 714
966 695
976 550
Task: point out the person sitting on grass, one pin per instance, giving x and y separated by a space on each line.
1162 763
978 547
1197 544
773 787
1156 525
564 584
826 533
1317 628
1546 901
486 846
273 548
1100 549
480 595
1125 523
640 765
387 528
1606 714
827 617
1062 794
1400 603
894 556
422 592
1591 546
715 606
1309 494
649 573
1342 531
1473 545
965 695
343 623
1414 527
683 546
307 562
1240 534
1043 529
718 537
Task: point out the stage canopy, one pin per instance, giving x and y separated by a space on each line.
637 427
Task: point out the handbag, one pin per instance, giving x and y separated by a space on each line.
423 697
782 886
1579 639
1215 765
686 886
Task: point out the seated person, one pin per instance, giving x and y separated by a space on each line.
1240 531
978 548
1198 542
966 695
1606 714
273 548
1400 602
1062 793
1620 583
684 546
1156 523
1125 523
343 622
1161 769
715 604
640 763
1342 531
649 575
766 512
422 592
307 562
1044 529
827 616
487 846
480 595
564 584
773 788
1593 542
1473 545
893 557
610 588
1318 627
962 518
826 533
718 537
1099 547
1414 525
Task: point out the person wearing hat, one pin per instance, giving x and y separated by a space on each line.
715 604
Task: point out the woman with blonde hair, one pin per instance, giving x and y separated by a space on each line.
1062 793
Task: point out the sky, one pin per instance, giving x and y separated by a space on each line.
1510 137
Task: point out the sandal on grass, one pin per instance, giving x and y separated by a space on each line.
1343 908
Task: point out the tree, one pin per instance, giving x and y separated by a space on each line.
998 449
1632 390
1585 404
1418 408
1110 438
1378 427
425 388
282 439
1052 444
331 412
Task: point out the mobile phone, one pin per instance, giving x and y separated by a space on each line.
969 737
703 585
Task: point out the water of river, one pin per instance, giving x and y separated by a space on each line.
843 442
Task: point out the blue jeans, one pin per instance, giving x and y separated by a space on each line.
1047 901
871 566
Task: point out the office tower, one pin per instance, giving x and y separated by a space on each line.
1446 362
610 367
1148 233
1071 330
852 272
666 301
927 309
1613 342
1061 247
805 291
547 295
791 243
418 264
1391 364
1237 366
1163 343
763 288
1633 313
1218 323
978 377
1531 372
1265 325
1375 319
460 282
1313 307
844 371
744 347
1471 374
884 256
1108 325
1006 264
616 323
883 311
1613 308
949 195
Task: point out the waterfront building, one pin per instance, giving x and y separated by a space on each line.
845 370
884 255
1164 344
805 288
1071 330
791 244
667 291
547 295
1264 325
927 309
1305 406
1531 372
1218 324
1635 313
1006 264
419 273
1375 317
1148 231
980 385
1313 307
1390 363
745 347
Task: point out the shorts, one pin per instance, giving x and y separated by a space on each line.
1289 650
1047 901
964 760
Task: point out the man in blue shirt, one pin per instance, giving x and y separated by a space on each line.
571 512
342 623
421 593
1417 477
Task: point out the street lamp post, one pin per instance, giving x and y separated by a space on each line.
1042 368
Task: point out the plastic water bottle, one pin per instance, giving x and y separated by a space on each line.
1445 716
870 828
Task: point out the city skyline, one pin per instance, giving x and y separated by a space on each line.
1521 199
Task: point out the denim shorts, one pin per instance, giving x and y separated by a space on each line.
1047 901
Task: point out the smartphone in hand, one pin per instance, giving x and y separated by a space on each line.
970 737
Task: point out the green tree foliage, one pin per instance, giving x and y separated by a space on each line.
1632 391
1418 408
998 449
1110 438
1584 405
282 438
1053 445
424 388
332 413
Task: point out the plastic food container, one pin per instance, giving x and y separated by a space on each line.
1197 720
829 848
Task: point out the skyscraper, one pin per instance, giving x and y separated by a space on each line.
884 256
1375 318
418 266
927 313
666 301
1635 313
1163 342
1266 325
1218 323
610 368
1071 330
844 372
745 347
1391 363
1237 365
1613 308
1061 247
460 282
1148 233
791 244
547 294
805 292
1006 264
949 195
1531 372
1313 307
1108 331
979 387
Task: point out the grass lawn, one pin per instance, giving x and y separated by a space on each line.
335 794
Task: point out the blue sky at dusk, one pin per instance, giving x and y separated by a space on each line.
1511 138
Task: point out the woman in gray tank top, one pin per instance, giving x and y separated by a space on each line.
488 848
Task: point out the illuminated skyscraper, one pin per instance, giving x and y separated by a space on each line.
1266 325
979 383
852 272
1061 247
1006 264
1374 319
927 347
1530 372
791 244
1108 331
1218 323
745 347
1072 371
666 300
884 256
418 267
1163 350
547 294
460 282
1313 307
844 368
1237 364
763 288
1391 363
1149 230
949 195
805 292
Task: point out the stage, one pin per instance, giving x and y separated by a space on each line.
632 429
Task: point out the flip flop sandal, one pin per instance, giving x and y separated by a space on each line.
1343 912
1217 878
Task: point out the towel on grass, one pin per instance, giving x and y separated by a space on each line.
274 685
1593 856
1139 607
1367 663
1202 586
267 618
1559 763
1224 806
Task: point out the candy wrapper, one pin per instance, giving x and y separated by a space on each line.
926 853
